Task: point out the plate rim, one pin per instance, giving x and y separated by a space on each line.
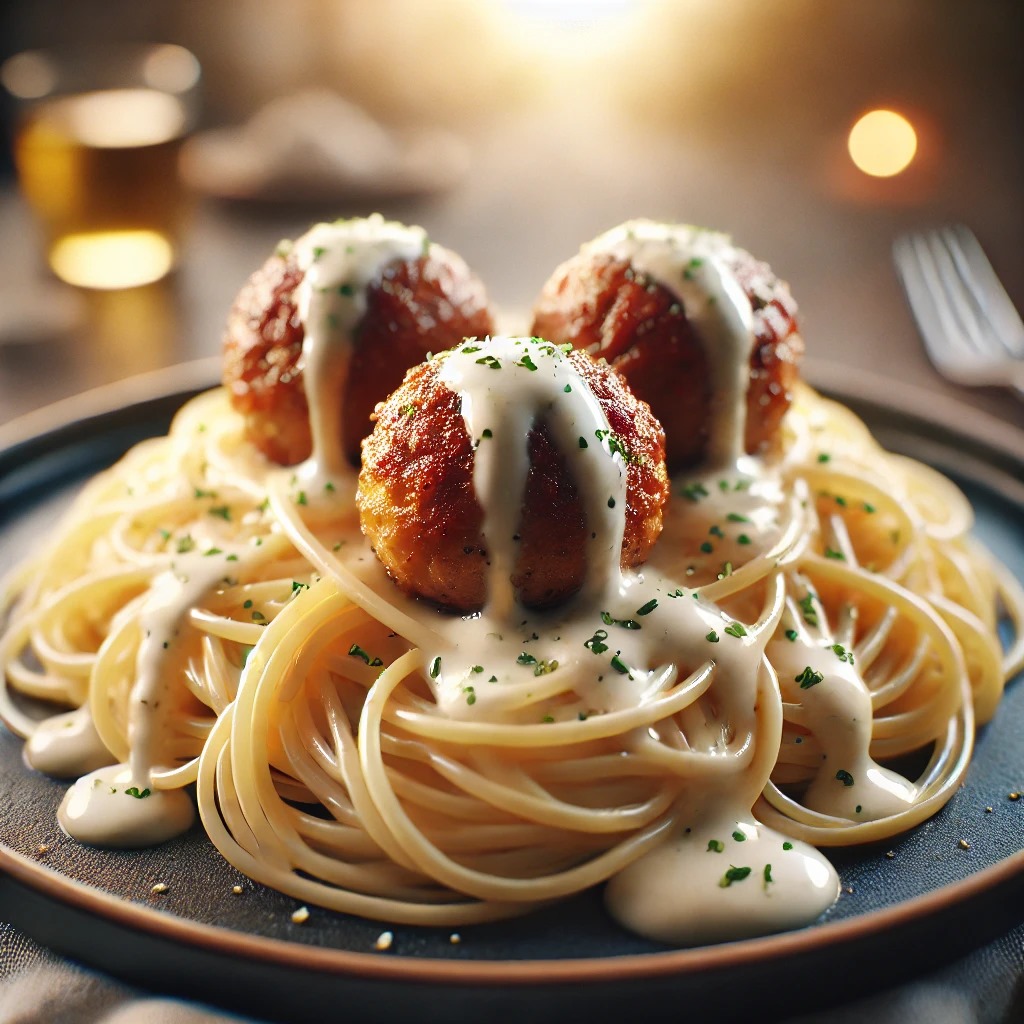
842 383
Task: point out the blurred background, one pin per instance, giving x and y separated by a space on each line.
513 130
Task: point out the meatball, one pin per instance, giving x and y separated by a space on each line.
420 511
601 302
413 307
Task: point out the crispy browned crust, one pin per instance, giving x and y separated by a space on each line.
418 307
598 304
419 509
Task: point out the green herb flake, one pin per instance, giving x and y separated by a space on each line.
200 493
567 389
743 539
583 443
297 586
346 289
619 665
487 432
768 875
792 635
545 667
810 613
716 531
787 845
808 678
694 491
185 544
609 620
712 637
740 837
842 653
824 457
258 616
247 604
736 629
526 659
832 553
435 668
222 512
715 846
596 642
355 651
611 503
470 695
868 507
646 609
489 361
734 874
527 363
707 547
137 793
844 777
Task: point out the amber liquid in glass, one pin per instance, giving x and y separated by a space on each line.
100 170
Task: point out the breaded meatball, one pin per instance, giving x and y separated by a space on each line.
420 511
411 307
601 302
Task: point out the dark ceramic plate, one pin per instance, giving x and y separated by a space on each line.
899 915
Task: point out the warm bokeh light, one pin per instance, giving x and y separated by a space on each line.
112 259
882 143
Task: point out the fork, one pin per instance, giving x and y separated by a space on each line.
971 330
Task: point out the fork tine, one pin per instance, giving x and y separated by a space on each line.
907 258
965 316
985 285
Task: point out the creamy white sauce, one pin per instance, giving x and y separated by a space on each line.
339 262
67 745
690 263
835 707
108 807
704 885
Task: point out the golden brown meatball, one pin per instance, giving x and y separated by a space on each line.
419 508
417 306
598 302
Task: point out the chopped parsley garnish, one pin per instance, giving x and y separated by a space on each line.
135 792
712 637
868 507
611 503
787 845
791 635
715 846
583 443
824 457
185 543
223 511
258 616
694 491
842 653
619 665
487 432
346 289
608 620
435 668
527 363
526 659
735 629
567 389
355 651
596 642
300 498
646 609
716 531
735 517
477 668
807 607
200 493
410 410
490 361
247 604
707 547
470 695
297 586
808 678
740 837
768 875
734 874
212 551
844 777
834 554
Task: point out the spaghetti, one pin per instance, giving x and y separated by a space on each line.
688 731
